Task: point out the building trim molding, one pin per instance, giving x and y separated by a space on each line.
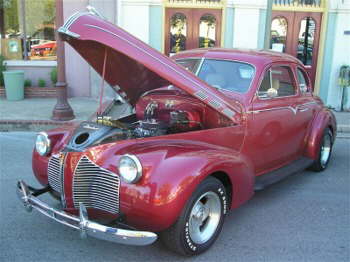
30 63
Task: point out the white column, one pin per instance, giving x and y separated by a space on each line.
108 8
341 53
135 18
247 23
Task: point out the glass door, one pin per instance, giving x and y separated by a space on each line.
297 34
191 28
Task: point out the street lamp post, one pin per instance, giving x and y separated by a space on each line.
62 110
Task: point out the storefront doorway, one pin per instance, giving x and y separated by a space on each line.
188 28
297 34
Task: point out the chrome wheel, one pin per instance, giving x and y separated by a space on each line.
205 217
325 150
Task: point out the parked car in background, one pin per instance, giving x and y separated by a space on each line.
43 48
211 126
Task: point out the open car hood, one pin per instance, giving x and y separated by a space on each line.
133 67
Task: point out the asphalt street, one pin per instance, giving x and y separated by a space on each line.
306 217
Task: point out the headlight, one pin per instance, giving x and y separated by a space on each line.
130 168
42 144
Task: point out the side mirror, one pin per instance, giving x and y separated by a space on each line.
271 92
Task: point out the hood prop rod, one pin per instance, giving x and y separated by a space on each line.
102 82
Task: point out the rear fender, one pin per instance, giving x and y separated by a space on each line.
325 118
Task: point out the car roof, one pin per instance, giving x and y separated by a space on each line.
253 56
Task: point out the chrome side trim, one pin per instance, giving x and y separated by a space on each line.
65 31
228 112
201 95
92 10
296 109
82 223
215 104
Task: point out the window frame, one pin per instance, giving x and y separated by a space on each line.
198 65
306 78
25 38
294 82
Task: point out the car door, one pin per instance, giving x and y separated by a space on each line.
305 105
275 138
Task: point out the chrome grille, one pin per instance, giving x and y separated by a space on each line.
95 187
55 172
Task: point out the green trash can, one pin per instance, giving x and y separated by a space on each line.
14 85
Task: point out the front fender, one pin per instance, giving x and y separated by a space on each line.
171 173
58 138
325 118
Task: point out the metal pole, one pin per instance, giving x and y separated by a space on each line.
62 110
24 30
306 39
267 41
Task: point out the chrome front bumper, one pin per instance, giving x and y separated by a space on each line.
82 223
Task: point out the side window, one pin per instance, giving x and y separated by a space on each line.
303 81
265 85
278 82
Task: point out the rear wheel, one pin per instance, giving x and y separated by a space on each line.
201 220
325 151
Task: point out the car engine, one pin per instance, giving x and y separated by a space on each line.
155 122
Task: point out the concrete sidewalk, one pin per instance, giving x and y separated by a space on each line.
35 114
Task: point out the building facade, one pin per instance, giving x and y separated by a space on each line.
315 31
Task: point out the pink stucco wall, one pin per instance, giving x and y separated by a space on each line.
77 70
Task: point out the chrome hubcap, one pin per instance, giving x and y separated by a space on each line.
325 150
205 217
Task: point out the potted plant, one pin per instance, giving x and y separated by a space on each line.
2 69
41 82
53 76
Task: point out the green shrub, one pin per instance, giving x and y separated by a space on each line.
53 75
41 82
2 69
27 83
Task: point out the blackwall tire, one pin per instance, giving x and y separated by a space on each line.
325 152
201 220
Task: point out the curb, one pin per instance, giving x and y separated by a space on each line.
343 128
39 125
31 125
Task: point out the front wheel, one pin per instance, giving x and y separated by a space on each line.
201 220
325 151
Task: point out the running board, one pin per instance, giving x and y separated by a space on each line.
274 176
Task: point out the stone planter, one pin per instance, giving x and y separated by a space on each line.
35 92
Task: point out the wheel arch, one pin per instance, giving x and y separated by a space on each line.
225 179
324 119
171 190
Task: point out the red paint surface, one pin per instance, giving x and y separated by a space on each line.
248 145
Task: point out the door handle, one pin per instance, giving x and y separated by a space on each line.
302 109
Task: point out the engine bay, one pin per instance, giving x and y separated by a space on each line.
160 113
153 117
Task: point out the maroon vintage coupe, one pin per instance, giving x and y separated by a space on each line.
210 126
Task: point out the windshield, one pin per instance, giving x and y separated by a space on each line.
222 74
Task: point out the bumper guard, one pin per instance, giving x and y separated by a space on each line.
82 223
